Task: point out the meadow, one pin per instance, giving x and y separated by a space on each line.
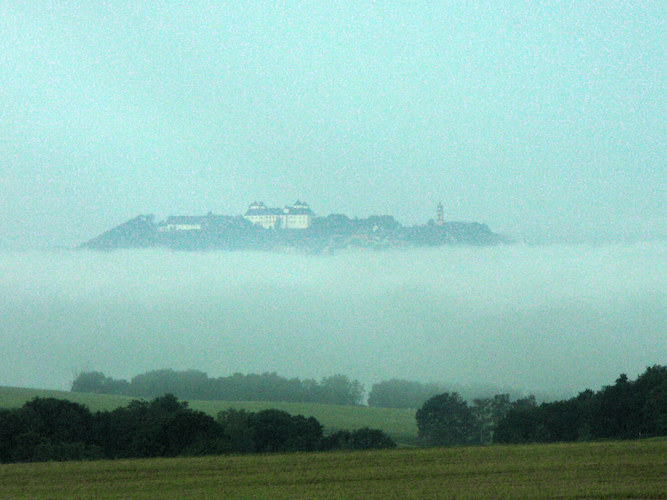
630 469
400 424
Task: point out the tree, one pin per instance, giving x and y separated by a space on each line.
446 420
360 439
239 434
615 411
194 384
488 412
338 389
89 382
655 411
161 427
58 420
97 382
371 439
47 429
277 430
521 423
398 393
11 425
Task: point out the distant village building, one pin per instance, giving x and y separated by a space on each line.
208 222
182 223
298 216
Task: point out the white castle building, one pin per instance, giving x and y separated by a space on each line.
298 216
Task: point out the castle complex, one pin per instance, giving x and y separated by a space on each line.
298 216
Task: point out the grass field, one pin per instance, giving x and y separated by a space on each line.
400 424
631 469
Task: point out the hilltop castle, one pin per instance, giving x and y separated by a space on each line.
298 216
295 226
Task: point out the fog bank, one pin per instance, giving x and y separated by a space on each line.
557 319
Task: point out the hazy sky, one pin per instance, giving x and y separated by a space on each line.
543 119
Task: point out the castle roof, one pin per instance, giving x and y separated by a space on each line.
299 208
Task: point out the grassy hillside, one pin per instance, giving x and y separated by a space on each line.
14 397
631 469
398 423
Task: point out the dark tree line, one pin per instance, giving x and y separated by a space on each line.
194 384
625 410
448 420
51 429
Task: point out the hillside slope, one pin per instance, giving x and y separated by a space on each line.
400 424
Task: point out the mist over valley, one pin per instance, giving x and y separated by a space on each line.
551 319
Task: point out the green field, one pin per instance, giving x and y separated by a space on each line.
631 469
400 424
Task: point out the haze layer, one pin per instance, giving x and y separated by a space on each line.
556 319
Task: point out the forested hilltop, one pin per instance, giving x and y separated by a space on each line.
324 234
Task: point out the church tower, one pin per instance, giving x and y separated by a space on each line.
439 215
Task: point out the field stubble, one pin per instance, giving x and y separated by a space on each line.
634 469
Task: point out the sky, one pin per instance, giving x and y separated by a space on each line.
545 120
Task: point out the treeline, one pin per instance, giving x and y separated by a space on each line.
625 410
194 384
336 389
50 429
399 393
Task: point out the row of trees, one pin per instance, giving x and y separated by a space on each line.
625 410
397 393
336 389
448 420
194 384
51 429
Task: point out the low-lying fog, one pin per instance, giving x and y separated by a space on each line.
555 319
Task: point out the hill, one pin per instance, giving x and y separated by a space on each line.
400 424
322 234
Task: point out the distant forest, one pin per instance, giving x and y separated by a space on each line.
194 384
335 389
